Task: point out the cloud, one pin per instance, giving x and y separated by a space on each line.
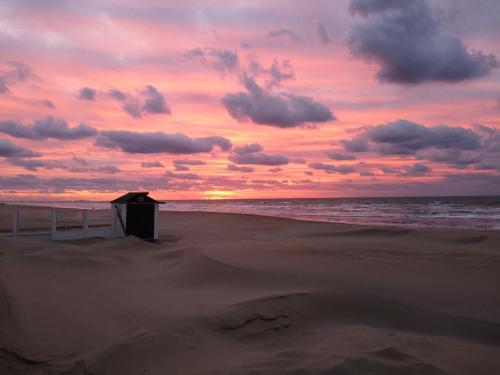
9 149
416 170
259 158
405 40
278 72
287 33
159 142
237 168
4 89
453 157
146 101
339 156
275 169
49 127
80 161
183 164
331 169
188 162
62 184
357 144
152 164
181 167
81 167
20 73
280 110
48 103
154 101
403 137
117 94
182 176
221 60
251 154
111 169
248 148
87 93
322 32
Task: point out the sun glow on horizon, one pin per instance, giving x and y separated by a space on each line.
219 194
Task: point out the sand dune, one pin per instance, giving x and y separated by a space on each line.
241 294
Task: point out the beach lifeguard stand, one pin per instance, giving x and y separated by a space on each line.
137 214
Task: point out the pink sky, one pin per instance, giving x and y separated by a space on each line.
330 98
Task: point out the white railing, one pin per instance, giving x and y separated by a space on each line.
67 232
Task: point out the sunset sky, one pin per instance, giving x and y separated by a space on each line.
249 99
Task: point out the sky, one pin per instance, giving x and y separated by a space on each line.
249 99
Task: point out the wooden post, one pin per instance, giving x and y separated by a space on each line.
157 214
85 220
53 223
15 222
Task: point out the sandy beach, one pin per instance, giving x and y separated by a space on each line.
243 294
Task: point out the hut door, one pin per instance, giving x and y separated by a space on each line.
140 220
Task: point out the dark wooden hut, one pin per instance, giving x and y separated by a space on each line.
137 214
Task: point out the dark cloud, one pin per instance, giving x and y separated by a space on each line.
248 149
49 127
87 93
117 94
183 164
62 184
159 142
331 169
221 60
416 170
48 103
259 158
80 161
275 170
322 32
339 156
357 144
188 162
154 101
9 149
389 170
251 154
281 110
405 40
237 168
182 176
20 73
146 101
4 89
404 137
453 157
287 33
110 169
28 164
80 167
181 167
367 7
152 164
278 72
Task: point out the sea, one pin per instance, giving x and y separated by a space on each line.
479 213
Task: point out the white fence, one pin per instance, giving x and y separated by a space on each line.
63 233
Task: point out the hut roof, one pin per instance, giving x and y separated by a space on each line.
136 197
